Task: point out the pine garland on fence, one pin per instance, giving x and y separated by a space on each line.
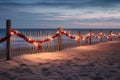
38 43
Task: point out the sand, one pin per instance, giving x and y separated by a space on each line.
91 62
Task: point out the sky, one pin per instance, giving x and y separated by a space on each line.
60 13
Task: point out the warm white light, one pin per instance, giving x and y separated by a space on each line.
36 43
76 38
101 33
99 37
65 32
12 33
29 39
89 34
107 37
51 38
83 38
119 34
58 32
93 34
69 35
112 34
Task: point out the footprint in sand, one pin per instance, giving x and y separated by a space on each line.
91 64
113 71
7 76
32 77
23 65
67 78
84 75
98 78
46 71
117 78
21 70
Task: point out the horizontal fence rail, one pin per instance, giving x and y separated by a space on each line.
38 43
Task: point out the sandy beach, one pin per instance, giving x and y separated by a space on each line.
91 62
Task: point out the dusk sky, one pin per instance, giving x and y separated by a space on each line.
56 13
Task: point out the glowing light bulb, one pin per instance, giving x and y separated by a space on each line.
107 37
29 39
83 38
89 34
99 37
112 34
92 34
119 34
76 38
101 33
50 38
58 32
69 35
36 43
65 32
12 33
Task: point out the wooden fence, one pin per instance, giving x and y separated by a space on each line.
38 43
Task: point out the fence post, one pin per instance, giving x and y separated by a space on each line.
101 34
79 39
60 39
90 36
110 35
8 28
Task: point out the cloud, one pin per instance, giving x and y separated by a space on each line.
60 12
66 4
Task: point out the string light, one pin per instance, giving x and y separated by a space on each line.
65 32
101 33
17 32
11 33
3 39
76 38
69 35
83 39
93 34
99 37
107 37
112 34
50 38
119 34
58 32
89 34
29 39
38 43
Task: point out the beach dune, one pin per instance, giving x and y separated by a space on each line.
91 62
